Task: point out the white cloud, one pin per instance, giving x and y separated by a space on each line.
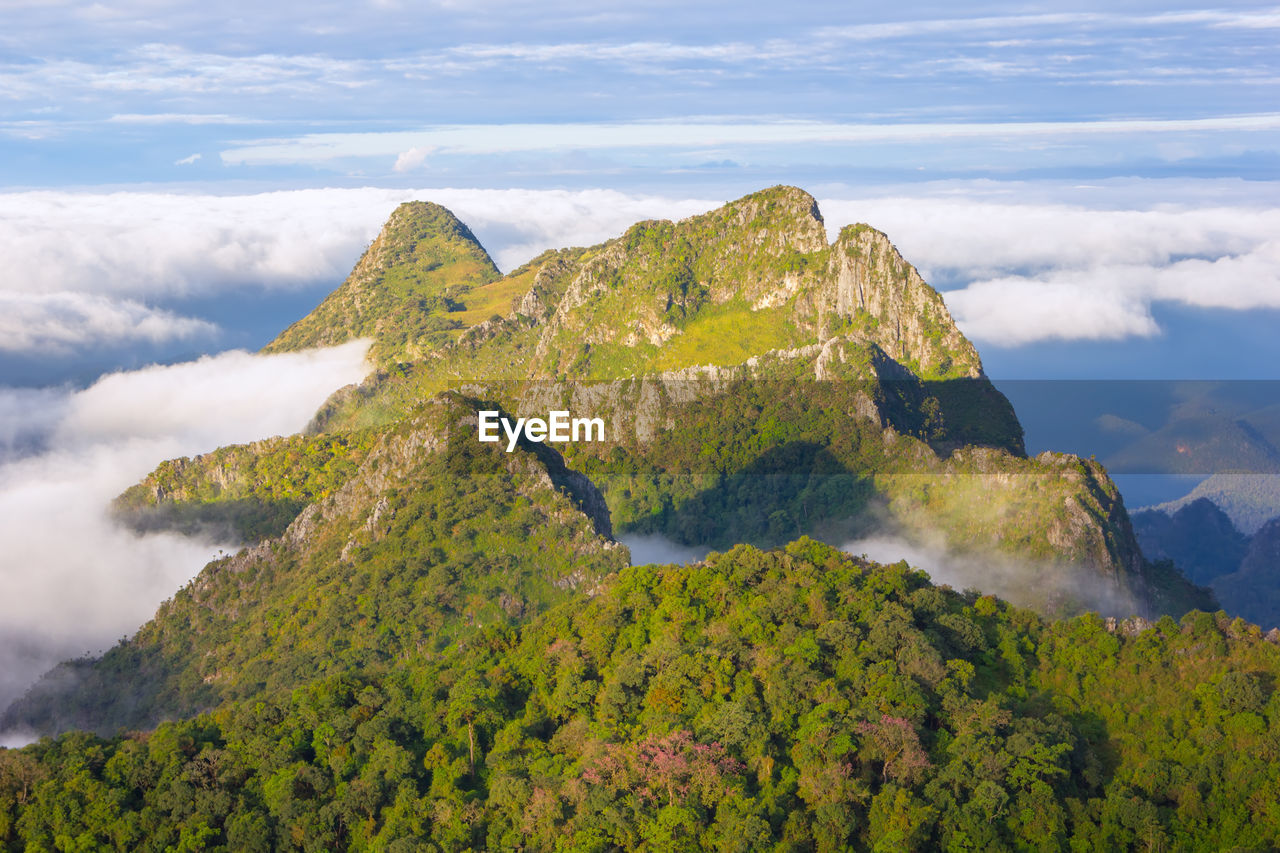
163 244
190 65
1030 270
659 549
73 580
61 322
1265 20
231 397
634 53
412 159
1023 582
1014 311
178 118
516 225
1113 301
27 417
315 148
188 160
1054 22
150 245
1021 262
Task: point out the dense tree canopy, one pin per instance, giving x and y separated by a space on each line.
800 699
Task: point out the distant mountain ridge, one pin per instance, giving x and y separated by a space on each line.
1249 499
1242 569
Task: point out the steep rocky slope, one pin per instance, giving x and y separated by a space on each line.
1254 588
1199 537
1243 570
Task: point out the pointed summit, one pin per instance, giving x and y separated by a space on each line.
403 290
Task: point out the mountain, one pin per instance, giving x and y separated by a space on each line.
754 277
795 699
1243 570
836 398
436 642
1199 442
758 383
1254 588
432 534
1250 500
404 292
1198 537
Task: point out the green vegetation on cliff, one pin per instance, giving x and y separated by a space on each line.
798 386
405 290
718 289
249 491
433 535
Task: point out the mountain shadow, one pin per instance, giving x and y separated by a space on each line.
797 488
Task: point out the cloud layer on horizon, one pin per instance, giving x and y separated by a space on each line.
1016 268
1021 272
64 321
88 268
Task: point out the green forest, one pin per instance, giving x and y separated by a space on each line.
795 699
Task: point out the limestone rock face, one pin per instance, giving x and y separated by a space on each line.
672 295
871 283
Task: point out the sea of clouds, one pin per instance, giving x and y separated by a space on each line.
73 580
89 269
1022 271
1019 264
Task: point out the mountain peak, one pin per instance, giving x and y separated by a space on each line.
402 290
780 205
752 276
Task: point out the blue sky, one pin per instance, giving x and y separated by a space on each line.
585 94
178 178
